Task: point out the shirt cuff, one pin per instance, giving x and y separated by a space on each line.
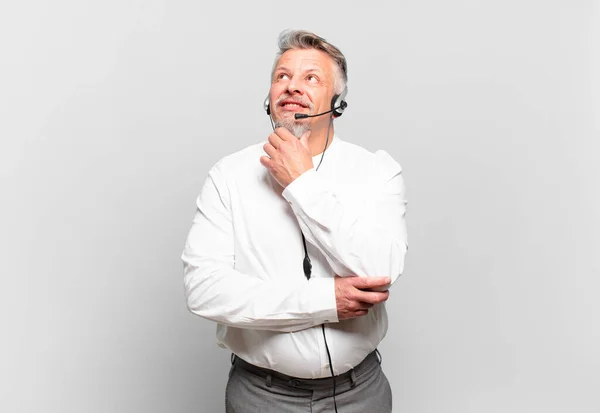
303 186
322 291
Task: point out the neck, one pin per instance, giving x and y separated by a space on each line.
318 137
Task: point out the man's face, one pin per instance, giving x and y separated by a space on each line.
303 82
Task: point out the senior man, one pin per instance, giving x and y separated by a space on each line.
294 245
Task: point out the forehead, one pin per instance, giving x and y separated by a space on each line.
305 59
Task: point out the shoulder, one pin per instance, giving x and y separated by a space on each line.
242 162
379 161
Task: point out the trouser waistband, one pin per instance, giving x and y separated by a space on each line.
370 362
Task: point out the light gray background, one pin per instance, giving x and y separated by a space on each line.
112 112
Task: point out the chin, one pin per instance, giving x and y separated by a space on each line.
296 127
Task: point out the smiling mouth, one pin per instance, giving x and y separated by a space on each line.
292 106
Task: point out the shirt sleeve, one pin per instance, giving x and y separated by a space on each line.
367 241
217 291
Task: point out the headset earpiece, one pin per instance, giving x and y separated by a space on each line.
267 105
338 104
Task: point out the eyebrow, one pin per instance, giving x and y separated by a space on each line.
310 69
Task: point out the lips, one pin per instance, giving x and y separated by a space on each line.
292 105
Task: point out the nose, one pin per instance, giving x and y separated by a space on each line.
293 87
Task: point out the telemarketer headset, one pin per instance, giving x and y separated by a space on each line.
338 105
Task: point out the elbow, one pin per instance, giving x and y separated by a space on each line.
390 260
395 260
194 299
194 283
199 304
382 259
194 304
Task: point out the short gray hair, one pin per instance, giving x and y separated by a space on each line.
302 39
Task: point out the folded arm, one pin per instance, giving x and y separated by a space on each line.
217 291
370 241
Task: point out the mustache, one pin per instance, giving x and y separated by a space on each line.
295 99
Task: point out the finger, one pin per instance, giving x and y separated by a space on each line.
364 283
372 297
284 134
270 150
266 161
360 313
365 306
275 140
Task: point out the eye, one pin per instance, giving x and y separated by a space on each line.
312 78
281 76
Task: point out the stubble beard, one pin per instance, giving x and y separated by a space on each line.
296 128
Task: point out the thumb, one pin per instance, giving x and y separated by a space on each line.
304 139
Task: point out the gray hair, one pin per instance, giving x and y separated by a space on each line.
302 39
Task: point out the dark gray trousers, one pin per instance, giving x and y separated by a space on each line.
364 389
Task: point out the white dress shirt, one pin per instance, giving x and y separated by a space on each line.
243 256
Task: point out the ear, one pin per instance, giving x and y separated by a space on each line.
338 104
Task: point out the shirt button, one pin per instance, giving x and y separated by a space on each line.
294 383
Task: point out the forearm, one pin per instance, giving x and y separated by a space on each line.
356 250
216 291
366 241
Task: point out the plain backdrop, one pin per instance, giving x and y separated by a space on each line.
112 113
